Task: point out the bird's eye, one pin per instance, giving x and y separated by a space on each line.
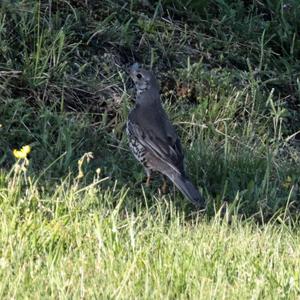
139 76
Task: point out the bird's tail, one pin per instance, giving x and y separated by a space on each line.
188 190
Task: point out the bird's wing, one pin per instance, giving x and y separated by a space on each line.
163 143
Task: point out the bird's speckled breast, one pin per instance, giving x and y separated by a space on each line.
137 149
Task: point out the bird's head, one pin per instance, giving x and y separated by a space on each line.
143 79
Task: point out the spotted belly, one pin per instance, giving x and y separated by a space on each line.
137 149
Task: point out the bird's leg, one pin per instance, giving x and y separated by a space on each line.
148 172
148 181
164 187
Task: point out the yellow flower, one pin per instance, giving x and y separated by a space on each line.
19 154
26 149
22 154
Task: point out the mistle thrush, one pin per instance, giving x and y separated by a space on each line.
152 138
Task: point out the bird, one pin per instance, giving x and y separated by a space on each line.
153 139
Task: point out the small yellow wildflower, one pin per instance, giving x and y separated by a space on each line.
26 149
22 154
19 154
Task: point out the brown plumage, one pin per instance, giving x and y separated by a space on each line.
153 139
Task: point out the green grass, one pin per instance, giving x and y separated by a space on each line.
229 75
87 243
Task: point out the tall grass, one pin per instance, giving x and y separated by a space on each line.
86 242
81 225
64 90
